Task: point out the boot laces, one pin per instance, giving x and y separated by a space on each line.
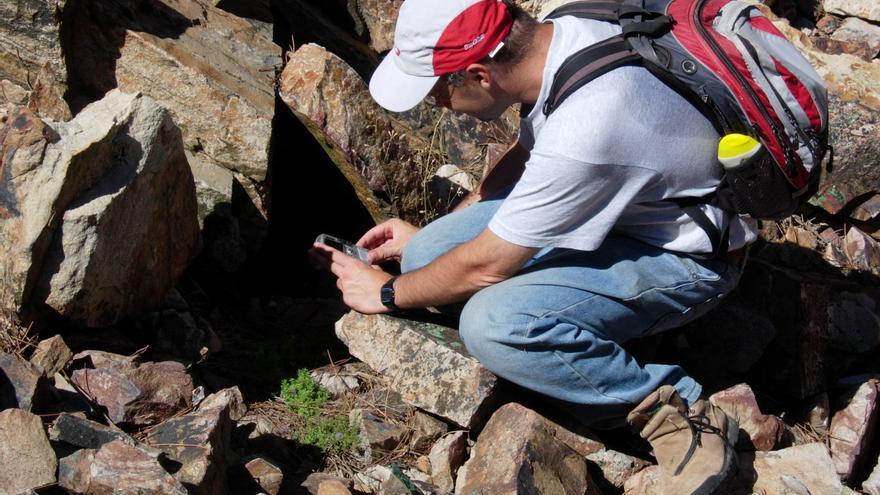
698 424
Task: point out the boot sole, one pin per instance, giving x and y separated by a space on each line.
713 482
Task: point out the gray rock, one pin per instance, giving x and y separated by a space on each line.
139 396
852 429
335 382
801 469
447 456
135 229
22 385
27 458
758 431
198 441
370 480
83 433
427 364
114 186
517 452
51 355
229 399
116 468
185 51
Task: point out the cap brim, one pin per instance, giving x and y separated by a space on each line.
396 90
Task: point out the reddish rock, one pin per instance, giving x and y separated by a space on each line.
517 452
139 396
102 359
852 430
116 468
314 480
22 385
27 458
757 431
198 441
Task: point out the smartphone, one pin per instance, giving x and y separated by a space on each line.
344 246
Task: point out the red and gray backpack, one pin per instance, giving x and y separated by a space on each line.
729 61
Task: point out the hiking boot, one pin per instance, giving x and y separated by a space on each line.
694 448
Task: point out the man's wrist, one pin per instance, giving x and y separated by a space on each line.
388 296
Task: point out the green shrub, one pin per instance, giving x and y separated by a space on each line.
306 399
303 395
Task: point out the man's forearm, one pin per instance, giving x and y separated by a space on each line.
460 273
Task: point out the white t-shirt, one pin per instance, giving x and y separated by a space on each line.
607 157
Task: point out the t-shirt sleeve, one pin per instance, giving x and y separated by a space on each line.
563 202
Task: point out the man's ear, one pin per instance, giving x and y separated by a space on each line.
481 74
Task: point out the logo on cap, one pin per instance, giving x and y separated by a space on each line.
468 46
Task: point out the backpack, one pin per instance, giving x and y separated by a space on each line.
729 61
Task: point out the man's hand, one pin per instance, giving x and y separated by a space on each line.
359 283
387 240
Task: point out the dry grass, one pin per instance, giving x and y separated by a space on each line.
15 338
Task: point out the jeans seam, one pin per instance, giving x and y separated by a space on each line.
588 382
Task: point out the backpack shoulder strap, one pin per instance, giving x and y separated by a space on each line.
587 64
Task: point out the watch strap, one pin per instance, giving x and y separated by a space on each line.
387 295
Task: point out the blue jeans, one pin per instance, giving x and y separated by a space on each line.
557 326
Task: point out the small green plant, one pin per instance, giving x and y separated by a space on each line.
303 395
306 399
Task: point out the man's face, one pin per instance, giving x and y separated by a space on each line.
463 93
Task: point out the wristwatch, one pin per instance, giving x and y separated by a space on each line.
386 294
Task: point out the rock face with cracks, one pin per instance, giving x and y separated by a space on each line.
517 452
97 215
426 364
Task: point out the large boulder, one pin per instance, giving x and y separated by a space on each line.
98 215
425 363
334 103
210 68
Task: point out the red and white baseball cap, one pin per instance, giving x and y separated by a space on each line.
433 38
